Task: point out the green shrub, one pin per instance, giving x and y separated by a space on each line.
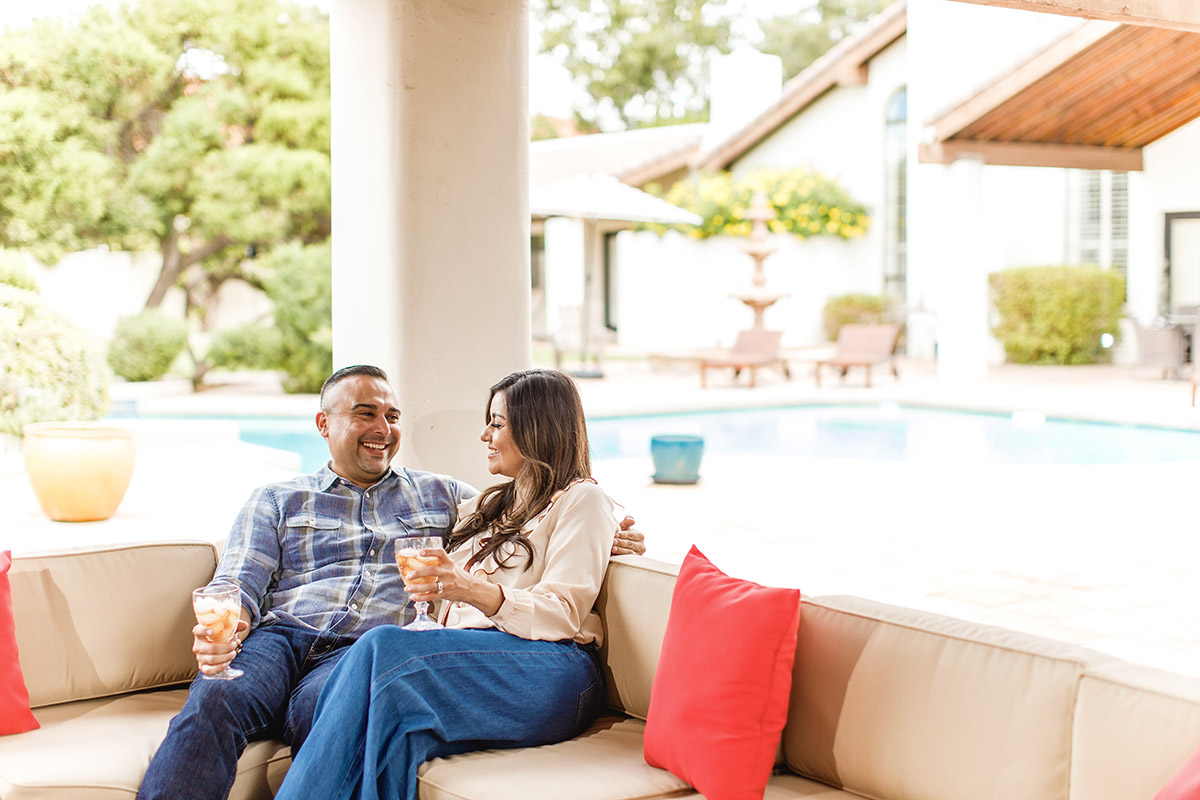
49 369
145 345
849 309
301 287
298 280
246 347
1057 314
14 273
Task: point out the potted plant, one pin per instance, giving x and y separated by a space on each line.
52 381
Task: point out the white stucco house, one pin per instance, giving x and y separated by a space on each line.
980 137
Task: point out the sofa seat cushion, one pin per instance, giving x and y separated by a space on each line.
603 763
99 750
788 786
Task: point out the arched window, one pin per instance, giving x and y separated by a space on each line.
895 161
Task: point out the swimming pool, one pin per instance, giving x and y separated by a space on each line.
885 432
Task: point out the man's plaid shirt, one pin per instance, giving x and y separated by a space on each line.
318 550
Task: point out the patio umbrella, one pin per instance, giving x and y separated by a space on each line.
600 197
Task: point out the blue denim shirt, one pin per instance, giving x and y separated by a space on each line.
317 550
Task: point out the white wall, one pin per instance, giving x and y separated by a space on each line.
679 296
841 135
94 288
1024 209
1169 183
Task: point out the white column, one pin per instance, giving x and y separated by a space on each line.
964 259
431 210
564 273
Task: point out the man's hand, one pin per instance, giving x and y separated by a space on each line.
629 540
212 657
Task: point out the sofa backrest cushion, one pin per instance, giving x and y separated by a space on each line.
101 622
893 702
634 604
1134 728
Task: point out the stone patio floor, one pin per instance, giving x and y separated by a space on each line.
1101 555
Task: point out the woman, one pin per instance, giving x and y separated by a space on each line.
515 666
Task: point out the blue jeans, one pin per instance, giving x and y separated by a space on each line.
399 698
285 668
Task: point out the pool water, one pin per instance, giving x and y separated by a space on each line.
884 432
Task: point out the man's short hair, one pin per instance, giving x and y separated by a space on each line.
349 372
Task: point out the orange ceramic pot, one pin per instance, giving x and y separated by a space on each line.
79 471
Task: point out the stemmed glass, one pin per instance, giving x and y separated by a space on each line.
218 609
407 561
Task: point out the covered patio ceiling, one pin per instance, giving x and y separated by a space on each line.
1092 100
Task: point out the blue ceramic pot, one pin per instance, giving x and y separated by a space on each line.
676 458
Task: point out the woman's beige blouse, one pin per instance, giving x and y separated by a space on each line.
553 599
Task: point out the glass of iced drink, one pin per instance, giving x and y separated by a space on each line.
407 559
218 609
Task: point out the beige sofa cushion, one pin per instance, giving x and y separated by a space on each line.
1134 727
634 605
604 763
891 702
99 749
101 622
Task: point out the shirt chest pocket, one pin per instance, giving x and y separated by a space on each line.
316 541
425 523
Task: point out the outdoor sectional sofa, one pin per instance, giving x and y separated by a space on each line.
885 702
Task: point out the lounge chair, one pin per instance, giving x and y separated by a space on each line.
752 349
862 346
1161 346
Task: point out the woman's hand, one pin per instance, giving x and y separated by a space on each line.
629 540
446 581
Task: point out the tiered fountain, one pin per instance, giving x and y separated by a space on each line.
758 298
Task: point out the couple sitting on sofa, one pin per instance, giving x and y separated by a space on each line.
522 566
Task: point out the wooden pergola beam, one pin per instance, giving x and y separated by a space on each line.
1019 79
1181 15
1120 159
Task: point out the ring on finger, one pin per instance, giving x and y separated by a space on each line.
439 586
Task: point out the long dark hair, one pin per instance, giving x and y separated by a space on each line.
545 418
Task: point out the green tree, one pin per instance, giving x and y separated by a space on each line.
801 39
644 60
197 128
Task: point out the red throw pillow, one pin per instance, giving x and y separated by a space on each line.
720 695
1185 784
15 716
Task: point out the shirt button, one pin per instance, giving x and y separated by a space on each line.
354 606
372 552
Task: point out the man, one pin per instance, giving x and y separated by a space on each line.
313 560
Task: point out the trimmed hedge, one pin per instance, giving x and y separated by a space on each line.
1057 314
145 345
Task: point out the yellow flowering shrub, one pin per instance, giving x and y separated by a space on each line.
806 203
